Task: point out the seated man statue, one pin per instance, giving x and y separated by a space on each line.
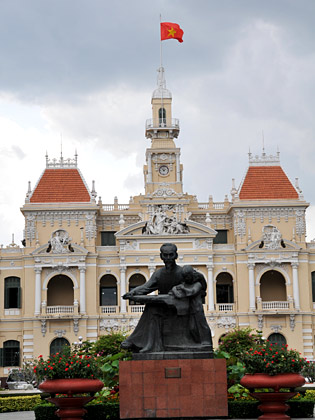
174 319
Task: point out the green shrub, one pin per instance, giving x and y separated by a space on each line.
26 403
109 344
238 341
247 409
104 411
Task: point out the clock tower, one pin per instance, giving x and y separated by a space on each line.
163 171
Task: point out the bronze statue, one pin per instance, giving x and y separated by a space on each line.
174 319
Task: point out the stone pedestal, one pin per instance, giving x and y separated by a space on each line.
173 388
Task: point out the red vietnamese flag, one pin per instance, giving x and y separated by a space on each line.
171 31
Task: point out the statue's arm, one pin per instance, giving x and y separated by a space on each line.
144 289
193 290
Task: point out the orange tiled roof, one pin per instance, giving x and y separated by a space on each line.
267 183
61 186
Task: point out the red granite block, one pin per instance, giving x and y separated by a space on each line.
161 402
124 378
172 388
185 389
136 403
208 365
170 363
148 378
148 365
196 376
149 403
209 389
149 390
174 412
136 365
136 378
220 378
124 367
162 413
161 390
136 390
220 365
209 403
172 401
197 389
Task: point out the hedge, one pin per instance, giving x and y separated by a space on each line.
248 409
100 411
26 403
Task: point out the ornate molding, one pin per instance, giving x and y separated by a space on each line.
226 322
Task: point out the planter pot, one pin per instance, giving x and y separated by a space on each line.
273 404
71 407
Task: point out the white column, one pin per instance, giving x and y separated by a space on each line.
82 290
152 269
150 168
177 168
210 288
296 292
38 271
123 304
252 304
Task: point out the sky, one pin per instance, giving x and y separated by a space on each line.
81 73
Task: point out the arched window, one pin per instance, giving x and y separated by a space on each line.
162 117
313 285
60 291
277 339
12 293
135 281
272 286
57 345
224 288
108 290
11 353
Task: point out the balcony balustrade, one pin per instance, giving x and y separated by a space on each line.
225 307
136 309
109 309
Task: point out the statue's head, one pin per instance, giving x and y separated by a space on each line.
188 274
168 253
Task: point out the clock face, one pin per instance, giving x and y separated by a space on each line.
163 169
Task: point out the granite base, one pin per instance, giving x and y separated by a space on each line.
174 388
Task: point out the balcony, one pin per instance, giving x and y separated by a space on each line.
275 305
136 309
155 125
60 311
109 310
225 307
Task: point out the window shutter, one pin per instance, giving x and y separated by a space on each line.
1 357
19 297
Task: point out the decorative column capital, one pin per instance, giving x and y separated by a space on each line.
210 267
294 264
251 265
82 269
123 269
38 270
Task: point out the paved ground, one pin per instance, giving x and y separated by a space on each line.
20 415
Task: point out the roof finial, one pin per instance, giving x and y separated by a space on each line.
61 145
263 143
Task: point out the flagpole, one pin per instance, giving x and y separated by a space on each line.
161 64
161 69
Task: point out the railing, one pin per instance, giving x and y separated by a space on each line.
136 309
276 304
225 307
218 206
207 206
156 123
59 309
112 207
109 309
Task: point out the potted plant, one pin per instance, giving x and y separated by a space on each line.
71 373
273 366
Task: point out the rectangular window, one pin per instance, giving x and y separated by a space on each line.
108 238
313 285
221 237
12 293
108 296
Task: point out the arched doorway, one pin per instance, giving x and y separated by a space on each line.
277 339
134 281
108 290
60 291
272 286
224 288
57 345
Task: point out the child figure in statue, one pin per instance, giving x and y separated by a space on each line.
194 287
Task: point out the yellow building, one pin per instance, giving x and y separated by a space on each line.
80 255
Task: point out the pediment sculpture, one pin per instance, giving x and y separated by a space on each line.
60 242
161 223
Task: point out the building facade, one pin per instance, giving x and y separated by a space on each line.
79 256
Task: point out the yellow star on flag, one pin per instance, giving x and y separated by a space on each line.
171 32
